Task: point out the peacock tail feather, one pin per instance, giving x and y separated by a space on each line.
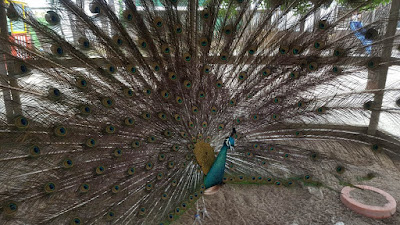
113 116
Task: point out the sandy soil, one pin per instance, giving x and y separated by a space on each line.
368 197
238 204
265 204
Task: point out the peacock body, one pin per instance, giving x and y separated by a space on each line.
117 115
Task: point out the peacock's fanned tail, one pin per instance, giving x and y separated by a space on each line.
110 104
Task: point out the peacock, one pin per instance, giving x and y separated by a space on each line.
126 112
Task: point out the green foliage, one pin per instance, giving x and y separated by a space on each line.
301 6
372 5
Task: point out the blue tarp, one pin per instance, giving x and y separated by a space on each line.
360 34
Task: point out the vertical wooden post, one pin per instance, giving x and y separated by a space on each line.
381 73
3 69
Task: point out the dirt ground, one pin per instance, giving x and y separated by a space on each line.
265 204
239 204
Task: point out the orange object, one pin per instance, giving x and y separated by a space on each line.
23 40
375 212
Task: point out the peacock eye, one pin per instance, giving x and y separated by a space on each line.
76 221
149 166
60 131
158 22
111 69
146 115
34 150
118 152
205 14
318 44
213 110
177 117
52 18
107 102
195 109
314 156
340 169
167 133
23 68
127 14
100 170
283 49
143 44
136 144
165 94
164 196
110 215
10 208
84 188
131 69
21 122
147 91
161 157
115 189
312 66
128 92
90 142
160 176
184 205
187 84
203 42
191 124
68 163
81 83
129 121
172 76
322 24
131 171
54 94
242 76
59 51
50 187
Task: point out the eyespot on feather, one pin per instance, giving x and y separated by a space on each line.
52 18
21 122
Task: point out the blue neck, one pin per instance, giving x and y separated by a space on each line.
216 173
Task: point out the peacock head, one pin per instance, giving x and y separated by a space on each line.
230 141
